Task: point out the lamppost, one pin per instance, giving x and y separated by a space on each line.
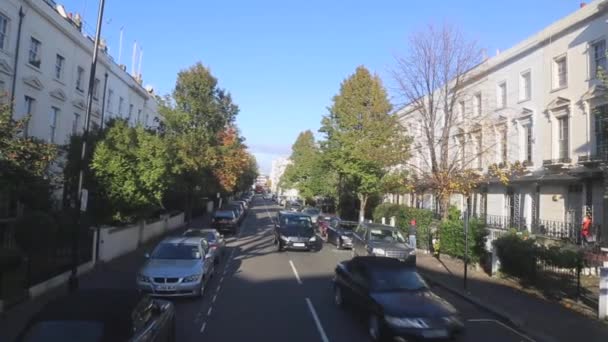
81 200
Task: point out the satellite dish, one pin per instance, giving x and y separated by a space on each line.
61 11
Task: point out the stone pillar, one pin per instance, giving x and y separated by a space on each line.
603 300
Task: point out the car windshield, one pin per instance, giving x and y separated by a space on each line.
209 236
312 211
224 214
387 235
176 251
398 279
298 226
297 220
348 226
85 331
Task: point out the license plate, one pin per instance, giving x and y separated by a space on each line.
299 244
165 288
436 333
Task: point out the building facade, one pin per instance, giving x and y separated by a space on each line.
45 62
543 105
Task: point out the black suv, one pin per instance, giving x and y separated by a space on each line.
295 231
383 241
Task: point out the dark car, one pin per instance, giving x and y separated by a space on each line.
294 231
225 221
395 299
102 315
341 232
293 206
238 211
383 241
215 240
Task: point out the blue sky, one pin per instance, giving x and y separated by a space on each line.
283 60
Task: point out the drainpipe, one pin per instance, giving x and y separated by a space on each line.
103 101
14 85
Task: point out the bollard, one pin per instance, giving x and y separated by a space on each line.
384 220
603 302
495 262
393 221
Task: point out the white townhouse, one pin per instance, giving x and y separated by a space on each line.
276 172
45 62
544 106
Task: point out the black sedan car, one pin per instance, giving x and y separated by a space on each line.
225 221
395 298
295 231
340 232
103 315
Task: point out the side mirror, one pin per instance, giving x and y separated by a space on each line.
147 255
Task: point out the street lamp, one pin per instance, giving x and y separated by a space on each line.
81 200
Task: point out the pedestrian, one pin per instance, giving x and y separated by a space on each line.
412 233
586 229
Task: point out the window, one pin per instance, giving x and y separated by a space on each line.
30 108
462 151
503 146
76 124
478 150
130 115
3 93
528 143
59 62
146 119
501 99
477 104
599 56
3 32
121 102
34 56
138 115
53 123
79 78
526 86
561 72
96 89
461 109
562 126
601 131
109 102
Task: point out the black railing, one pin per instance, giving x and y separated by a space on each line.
594 158
566 160
502 222
568 231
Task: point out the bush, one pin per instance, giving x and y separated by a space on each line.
518 257
35 231
566 256
10 258
403 215
452 237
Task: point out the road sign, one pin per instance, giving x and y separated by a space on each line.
84 198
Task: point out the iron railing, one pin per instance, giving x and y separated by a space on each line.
502 222
566 160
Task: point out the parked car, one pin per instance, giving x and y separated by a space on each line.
238 210
340 232
383 241
178 266
293 206
225 221
268 196
395 298
313 213
323 222
102 315
217 244
242 203
294 231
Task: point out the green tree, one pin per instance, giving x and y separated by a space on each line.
363 139
304 156
133 165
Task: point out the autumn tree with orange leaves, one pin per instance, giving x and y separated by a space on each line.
233 159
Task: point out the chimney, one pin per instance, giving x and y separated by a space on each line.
582 4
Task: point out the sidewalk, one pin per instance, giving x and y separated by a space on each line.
543 320
118 273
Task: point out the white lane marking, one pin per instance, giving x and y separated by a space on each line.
209 311
222 279
268 213
295 272
214 298
218 288
317 321
203 327
486 320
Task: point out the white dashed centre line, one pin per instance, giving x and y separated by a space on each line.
214 298
203 327
209 311
218 288
313 312
295 272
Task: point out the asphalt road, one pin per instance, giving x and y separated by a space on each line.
259 294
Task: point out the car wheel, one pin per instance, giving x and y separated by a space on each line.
338 297
216 261
201 291
338 242
375 328
279 247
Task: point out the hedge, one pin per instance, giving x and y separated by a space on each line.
452 237
520 256
403 216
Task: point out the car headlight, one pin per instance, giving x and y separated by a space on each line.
192 278
400 322
412 252
284 238
345 238
452 320
378 251
313 239
143 279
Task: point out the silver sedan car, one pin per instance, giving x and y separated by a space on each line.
217 244
178 266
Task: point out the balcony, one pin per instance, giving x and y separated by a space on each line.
557 163
593 159
505 223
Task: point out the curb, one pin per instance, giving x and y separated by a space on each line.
515 322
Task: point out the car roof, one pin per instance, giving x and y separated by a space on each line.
379 226
185 240
201 230
112 307
374 262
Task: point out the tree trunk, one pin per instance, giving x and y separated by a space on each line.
445 206
362 205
